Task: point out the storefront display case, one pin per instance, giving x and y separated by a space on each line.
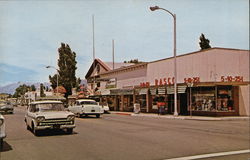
214 101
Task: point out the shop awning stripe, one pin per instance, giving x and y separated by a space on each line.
161 90
143 91
152 91
180 89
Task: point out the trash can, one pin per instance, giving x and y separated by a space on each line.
137 108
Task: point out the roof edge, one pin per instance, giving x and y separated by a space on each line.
204 50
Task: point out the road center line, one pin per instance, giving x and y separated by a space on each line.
211 155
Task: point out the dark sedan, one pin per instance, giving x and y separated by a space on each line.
6 107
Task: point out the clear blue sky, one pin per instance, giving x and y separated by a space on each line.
31 31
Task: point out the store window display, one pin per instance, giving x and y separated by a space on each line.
203 99
225 99
213 99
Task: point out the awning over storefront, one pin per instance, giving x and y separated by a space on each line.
153 91
180 89
143 91
121 92
161 90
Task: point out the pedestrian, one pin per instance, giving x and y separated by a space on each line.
160 106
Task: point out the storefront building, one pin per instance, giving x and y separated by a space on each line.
212 82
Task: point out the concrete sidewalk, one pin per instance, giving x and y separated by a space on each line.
198 118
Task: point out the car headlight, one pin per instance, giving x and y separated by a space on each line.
1 121
40 119
71 118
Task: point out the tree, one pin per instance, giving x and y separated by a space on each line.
53 81
66 70
78 83
204 43
135 61
21 90
33 88
42 90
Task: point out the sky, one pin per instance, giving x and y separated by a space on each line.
31 31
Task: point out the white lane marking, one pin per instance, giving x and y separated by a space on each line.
211 155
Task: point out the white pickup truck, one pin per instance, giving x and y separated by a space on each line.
86 107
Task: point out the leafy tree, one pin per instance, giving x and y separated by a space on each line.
204 43
53 81
78 83
33 88
67 68
42 90
21 90
135 61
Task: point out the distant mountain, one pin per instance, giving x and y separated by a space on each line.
11 88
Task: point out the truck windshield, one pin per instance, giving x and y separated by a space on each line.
46 107
89 102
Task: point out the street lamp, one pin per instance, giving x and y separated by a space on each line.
56 77
175 68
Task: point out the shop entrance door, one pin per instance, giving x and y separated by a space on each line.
183 103
118 101
171 104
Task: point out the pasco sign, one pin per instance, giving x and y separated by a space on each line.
170 80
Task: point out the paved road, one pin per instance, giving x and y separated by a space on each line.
119 137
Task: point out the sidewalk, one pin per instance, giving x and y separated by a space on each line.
198 118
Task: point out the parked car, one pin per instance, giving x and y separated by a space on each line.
2 131
86 107
49 115
105 107
6 107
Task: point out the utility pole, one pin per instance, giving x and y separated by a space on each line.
93 29
113 53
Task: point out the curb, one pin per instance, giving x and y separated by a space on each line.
185 118
124 114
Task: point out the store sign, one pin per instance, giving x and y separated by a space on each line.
192 80
159 82
144 84
111 83
164 81
231 78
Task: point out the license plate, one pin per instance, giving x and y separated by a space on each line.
56 126
92 110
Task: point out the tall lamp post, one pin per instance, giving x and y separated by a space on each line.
56 77
175 68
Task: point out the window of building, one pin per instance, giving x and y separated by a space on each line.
218 98
225 99
203 99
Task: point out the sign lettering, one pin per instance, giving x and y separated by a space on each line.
192 80
231 78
